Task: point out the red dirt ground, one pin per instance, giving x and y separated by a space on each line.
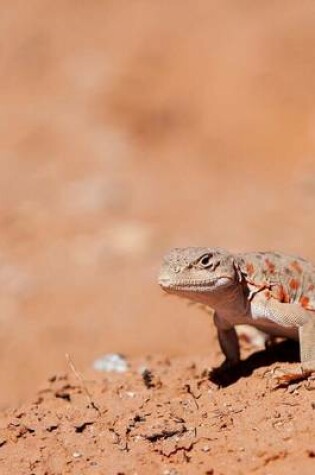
175 422
128 128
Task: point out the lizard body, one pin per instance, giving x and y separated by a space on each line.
271 291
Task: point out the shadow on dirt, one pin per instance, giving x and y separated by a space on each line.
285 351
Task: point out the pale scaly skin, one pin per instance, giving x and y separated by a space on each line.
271 291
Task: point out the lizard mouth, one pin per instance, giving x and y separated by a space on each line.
168 284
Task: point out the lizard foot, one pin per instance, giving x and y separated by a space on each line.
285 377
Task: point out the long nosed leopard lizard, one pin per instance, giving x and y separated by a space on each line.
271 291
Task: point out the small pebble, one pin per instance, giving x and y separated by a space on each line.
111 362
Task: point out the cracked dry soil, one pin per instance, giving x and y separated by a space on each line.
170 420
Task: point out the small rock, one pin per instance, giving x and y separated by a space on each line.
111 362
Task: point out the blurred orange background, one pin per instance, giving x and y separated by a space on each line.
127 128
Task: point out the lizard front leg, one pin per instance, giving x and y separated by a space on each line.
228 340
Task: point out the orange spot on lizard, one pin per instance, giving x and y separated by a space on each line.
281 295
270 266
250 268
294 284
304 301
296 266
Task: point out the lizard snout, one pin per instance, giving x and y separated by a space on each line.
164 280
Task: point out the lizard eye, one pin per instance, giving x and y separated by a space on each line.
205 260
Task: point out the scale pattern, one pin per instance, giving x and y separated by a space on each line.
288 279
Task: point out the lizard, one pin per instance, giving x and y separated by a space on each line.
271 291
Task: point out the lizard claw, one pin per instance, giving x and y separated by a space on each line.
285 377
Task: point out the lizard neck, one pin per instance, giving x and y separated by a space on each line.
232 301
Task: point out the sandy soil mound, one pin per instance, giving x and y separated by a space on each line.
169 419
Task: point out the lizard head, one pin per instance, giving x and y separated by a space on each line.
197 270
